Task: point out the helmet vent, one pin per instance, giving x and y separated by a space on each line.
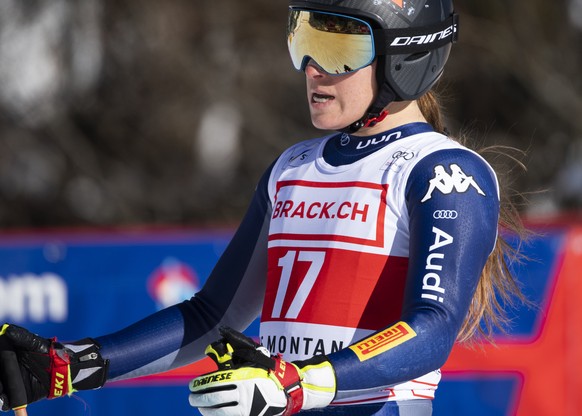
416 56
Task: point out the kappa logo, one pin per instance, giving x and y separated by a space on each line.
447 183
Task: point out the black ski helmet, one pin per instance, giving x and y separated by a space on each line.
413 43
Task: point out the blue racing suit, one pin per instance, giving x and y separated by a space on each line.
392 232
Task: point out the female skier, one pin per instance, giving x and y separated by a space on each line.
367 252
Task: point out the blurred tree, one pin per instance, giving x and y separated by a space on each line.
515 77
148 112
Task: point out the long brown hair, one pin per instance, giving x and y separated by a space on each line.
497 287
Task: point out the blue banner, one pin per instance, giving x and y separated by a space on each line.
81 284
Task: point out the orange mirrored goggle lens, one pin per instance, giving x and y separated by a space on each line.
337 43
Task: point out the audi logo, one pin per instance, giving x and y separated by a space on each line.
445 214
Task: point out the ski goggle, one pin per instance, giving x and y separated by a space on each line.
338 44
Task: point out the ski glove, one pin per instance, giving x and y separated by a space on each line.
33 368
250 381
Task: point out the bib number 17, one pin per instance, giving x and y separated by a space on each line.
287 263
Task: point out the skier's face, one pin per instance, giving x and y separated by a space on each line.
336 101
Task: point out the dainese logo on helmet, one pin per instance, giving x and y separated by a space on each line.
424 39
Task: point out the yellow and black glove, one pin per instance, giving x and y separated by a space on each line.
34 368
251 382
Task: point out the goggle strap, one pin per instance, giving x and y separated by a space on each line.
416 39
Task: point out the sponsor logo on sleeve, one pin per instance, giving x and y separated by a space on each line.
431 282
447 183
445 214
383 341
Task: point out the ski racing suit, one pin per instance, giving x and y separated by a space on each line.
365 249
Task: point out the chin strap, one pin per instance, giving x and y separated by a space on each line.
377 111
